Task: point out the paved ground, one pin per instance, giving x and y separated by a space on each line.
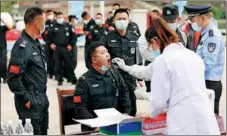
8 111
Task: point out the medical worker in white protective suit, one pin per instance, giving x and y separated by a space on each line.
177 84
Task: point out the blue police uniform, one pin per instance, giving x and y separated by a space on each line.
211 49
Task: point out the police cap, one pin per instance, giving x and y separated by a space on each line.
170 12
195 10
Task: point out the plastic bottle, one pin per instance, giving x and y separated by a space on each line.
28 129
3 129
19 129
9 129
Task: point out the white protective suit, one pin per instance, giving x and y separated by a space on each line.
178 84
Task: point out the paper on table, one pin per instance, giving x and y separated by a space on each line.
107 112
96 122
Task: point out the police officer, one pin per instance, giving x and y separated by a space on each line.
122 43
89 24
27 77
63 39
99 30
100 87
4 27
48 51
211 48
109 19
170 15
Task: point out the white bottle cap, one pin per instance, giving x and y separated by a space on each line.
10 122
28 120
20 121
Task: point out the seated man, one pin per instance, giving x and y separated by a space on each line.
100 87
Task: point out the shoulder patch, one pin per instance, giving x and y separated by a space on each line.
82 78
23 44
211 47
211 33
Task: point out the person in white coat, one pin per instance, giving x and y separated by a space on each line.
177 84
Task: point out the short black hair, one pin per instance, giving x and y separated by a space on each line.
71 17
99 14
116 4
59 13
49 10
91 50
110 12
85 13
55 12
155 10
128 9
120 10
31 13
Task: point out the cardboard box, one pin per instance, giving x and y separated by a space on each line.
112 122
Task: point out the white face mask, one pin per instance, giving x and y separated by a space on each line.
50 17
98 21
60 20
122 24
195 27
173 26
86 21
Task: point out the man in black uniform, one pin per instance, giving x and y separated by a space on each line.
123 43
27 77
49 53
62 39
4 27
99 30
89 24
101 87
109 19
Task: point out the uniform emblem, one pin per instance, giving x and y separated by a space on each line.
135 26
66 28
55 28
91 26
133 50
113 41
47 25
34 53
23 44
168 12
76 99
46 32
51 25
96 31
67 34
95 85
14 69
211 33
211 47
132 41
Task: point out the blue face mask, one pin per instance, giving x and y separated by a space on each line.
104 68
98 21
122 24
156 53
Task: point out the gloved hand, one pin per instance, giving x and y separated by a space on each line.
121 64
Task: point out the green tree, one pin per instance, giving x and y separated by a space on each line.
6 6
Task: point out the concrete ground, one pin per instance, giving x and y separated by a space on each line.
8 111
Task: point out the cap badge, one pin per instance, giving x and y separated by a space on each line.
168 12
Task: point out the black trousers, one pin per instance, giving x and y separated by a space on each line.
3 62
40 126
50 60
217 87
64 58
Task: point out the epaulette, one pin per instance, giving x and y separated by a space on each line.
23 44
211 33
